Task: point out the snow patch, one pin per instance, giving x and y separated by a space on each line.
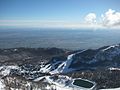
38 79
2 86
112 69
5 70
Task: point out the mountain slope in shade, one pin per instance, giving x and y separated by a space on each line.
105 57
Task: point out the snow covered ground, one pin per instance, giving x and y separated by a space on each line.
5 70
67 88
2 86
111 89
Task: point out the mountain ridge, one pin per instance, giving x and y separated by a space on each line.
108 56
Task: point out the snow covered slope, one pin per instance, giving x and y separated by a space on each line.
64 67
2 86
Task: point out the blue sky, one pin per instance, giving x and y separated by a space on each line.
54 10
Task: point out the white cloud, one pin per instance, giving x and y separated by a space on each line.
111 18
91 18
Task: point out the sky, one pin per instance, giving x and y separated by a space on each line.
60 13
